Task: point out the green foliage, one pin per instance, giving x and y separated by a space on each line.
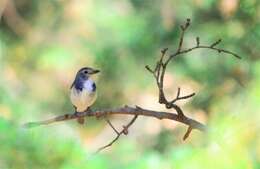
46 42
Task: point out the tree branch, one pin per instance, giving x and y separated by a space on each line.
158 73
111 125
126 110
160 68
123 131
186 135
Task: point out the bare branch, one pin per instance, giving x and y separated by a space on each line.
219 50
126 110
149 69
123 131
215 43
197 41
186 135
110 124
162 66
183 29
182 97
158 73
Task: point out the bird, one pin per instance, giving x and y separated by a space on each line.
83 91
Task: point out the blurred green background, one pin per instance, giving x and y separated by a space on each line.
44 43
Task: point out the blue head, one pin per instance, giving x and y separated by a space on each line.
83 75
86 72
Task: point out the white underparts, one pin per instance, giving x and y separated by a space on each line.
84 98
88 85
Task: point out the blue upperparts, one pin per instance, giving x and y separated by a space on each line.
94 87
79 83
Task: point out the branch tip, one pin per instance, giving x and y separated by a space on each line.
197 41
163 51
149 69
158 73
187 22
215 43
186 135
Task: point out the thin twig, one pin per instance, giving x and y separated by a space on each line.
197 41
161 67
123 131
186 135
158 73
183 29
219 50
111 125
182 97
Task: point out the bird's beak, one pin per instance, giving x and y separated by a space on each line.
94 71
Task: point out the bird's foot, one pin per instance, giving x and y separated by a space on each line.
80 118
88 109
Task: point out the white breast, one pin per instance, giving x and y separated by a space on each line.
82 99
88 85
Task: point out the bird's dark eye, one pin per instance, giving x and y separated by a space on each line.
85 71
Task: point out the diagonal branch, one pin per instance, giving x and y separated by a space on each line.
123 131
178 97
187 134
111 125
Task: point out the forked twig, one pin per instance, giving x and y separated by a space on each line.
160 68
123 131
158 73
